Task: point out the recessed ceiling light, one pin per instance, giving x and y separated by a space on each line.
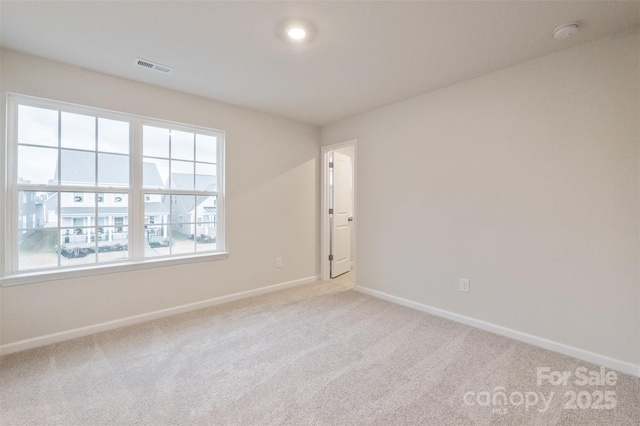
296 30
566 31
296 33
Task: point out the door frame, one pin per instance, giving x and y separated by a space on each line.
325 228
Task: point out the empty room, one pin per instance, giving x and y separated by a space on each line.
320 212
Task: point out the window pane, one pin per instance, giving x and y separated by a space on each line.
156 217
206 177
183 208
205 226
49 212
114 210
78 131
156 229
205 210
113 170
32 209
113 136
181 175
38 248
205 236
113 243
77 209
206 147
77 246
182 242
37 165
155 141
37 126
156 206
155 173
181 145
77 168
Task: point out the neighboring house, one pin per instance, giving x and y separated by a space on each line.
78 211
30 211
89 215
156 218
194 216
79 219
27 208
156 211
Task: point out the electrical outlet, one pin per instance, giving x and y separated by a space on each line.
278 262
464 285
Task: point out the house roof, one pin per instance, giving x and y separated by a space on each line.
151 175
79 169
202 183
193 202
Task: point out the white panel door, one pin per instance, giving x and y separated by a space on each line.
341 202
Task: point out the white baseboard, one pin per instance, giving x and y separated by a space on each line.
612 363
110 325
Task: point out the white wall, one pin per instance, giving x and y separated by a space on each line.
525 181
272 187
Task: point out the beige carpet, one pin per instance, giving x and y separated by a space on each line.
318 354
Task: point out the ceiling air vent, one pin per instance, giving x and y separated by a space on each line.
153 66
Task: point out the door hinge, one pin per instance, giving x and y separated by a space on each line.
330 211
331 164
330 257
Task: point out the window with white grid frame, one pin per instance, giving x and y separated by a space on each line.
74 199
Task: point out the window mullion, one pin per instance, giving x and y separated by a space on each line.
136 202
220 189
11 194
96 213
59 182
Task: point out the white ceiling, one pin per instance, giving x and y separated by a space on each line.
365 54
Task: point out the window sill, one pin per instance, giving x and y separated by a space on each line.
43 276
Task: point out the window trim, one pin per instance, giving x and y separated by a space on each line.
11 275
105 268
